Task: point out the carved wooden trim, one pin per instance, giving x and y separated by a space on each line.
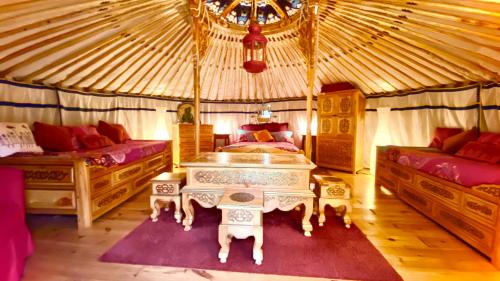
415 198
335 191
400 173
461 224
112 197
475 206
287 201
436 190
129 173
165 188
247 178
208 198
490 190
239 216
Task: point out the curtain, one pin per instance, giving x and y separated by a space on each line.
490 102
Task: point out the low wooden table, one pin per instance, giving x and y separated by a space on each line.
166 189
335 192
283 179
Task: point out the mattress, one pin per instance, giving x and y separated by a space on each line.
449 167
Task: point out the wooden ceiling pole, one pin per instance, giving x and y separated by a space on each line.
196 8
312 61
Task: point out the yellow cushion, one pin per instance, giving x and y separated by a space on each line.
263 136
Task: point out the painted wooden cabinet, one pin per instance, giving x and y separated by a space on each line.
184 143
339 143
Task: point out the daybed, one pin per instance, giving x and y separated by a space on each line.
274 138
460 194
87 182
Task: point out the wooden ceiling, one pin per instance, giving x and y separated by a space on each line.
145 47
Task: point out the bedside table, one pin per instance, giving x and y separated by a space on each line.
221 138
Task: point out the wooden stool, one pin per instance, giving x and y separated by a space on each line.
166 189
241 218
335 192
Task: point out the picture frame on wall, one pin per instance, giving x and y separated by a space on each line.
185 113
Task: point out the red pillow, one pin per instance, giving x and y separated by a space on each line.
115 132
488 137
276 127
95 141
477 150
126 136
55 138
253 127
454 143
443 133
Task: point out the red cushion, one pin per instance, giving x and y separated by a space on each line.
276 127
271 127
443 133
340 86
95 141
55 138
477 150
488 137
454 143
125 136
253 127
115 132
84 130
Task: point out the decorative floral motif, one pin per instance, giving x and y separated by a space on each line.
491 190
414 197
204 197
38 175
400 173
335 191
129 173
345 104
286 201
247 178
111 198
239 216
462 224
326 125
327 105
479 208
437 190
344 125
165 188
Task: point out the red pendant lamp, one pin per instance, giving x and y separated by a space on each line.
254 46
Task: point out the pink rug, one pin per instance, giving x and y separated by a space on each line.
332 252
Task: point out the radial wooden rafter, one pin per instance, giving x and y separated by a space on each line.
143 47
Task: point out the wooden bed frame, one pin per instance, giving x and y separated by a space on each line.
469 213
66 185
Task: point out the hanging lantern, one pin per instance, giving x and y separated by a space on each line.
254 50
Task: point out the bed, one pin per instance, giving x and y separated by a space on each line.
89 183
281 141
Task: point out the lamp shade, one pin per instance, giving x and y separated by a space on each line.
254 50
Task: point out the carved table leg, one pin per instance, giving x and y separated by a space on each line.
322 218
347 214
155 207
306 220
258 254
177 214
188 209
224 241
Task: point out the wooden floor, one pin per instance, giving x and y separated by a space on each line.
416 247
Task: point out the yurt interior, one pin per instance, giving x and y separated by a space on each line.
249 140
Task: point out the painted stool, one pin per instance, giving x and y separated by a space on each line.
166 189
335 192
241 218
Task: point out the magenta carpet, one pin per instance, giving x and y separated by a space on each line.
332 252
